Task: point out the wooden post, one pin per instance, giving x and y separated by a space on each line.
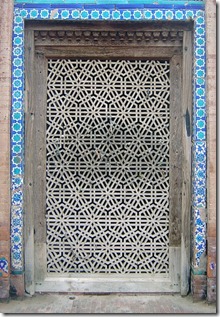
29 162
186 167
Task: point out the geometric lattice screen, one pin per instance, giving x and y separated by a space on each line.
108 166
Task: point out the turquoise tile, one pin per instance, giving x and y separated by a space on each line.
140 1
55 1
111 2
173 2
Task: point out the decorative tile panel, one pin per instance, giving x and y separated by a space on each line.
199 132
199 174
17 143
3 266
125 2
141 10
200 233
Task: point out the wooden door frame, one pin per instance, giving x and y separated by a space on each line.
39 45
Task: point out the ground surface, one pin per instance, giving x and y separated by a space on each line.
113 303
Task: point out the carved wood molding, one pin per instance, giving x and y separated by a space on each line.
103 37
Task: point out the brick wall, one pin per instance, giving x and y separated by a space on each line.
6 6
211 139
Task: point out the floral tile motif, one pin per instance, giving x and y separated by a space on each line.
199 131
116 12
199 236
199 175
3 265
16 235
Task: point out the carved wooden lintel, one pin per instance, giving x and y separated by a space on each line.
88 37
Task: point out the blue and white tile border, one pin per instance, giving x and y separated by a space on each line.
107 12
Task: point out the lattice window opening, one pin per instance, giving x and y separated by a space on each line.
109 132
107 159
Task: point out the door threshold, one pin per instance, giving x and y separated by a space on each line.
107 285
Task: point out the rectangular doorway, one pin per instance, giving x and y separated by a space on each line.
107 171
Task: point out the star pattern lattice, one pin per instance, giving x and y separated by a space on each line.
108 166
